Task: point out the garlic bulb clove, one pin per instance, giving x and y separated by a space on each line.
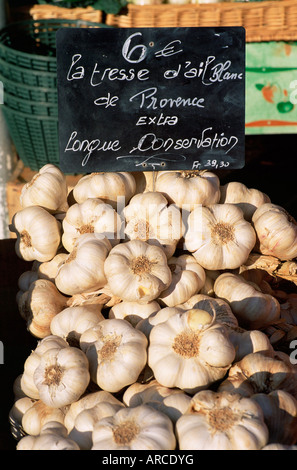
83 269
89 401
133 312
146 324
189 189
52 436
62 376
38 415
219 237
16 414
188 277
38 306
252 308
149 218
72 322
48 188
139 428
171 401
248 341
26 381
177 358
280 414
91 216
217 307
24 282
248 199
222 421
137 271
86 420
261 372
49 269
117 353
114 188
276 231
38 234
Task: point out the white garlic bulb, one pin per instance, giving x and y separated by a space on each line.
48 188
116 352
188 277
276 231
39 304
95 406
62 376
189 351
189 189
149 217
137 271
171 401
72 322
114 188
219 237
248 199
139 428
222 421
38 234
91 216
83 269
53 436
253 308
133 312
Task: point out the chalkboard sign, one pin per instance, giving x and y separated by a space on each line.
151 98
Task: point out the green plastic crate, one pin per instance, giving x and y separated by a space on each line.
27 60
67 4
36 138
34 108
27 92
31 44
28 77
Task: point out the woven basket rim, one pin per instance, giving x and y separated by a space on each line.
268 20
211 6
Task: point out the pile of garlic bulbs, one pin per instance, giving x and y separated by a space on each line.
154 330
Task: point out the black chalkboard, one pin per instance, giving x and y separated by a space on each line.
151 98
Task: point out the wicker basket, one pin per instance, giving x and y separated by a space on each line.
40 12
274 20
